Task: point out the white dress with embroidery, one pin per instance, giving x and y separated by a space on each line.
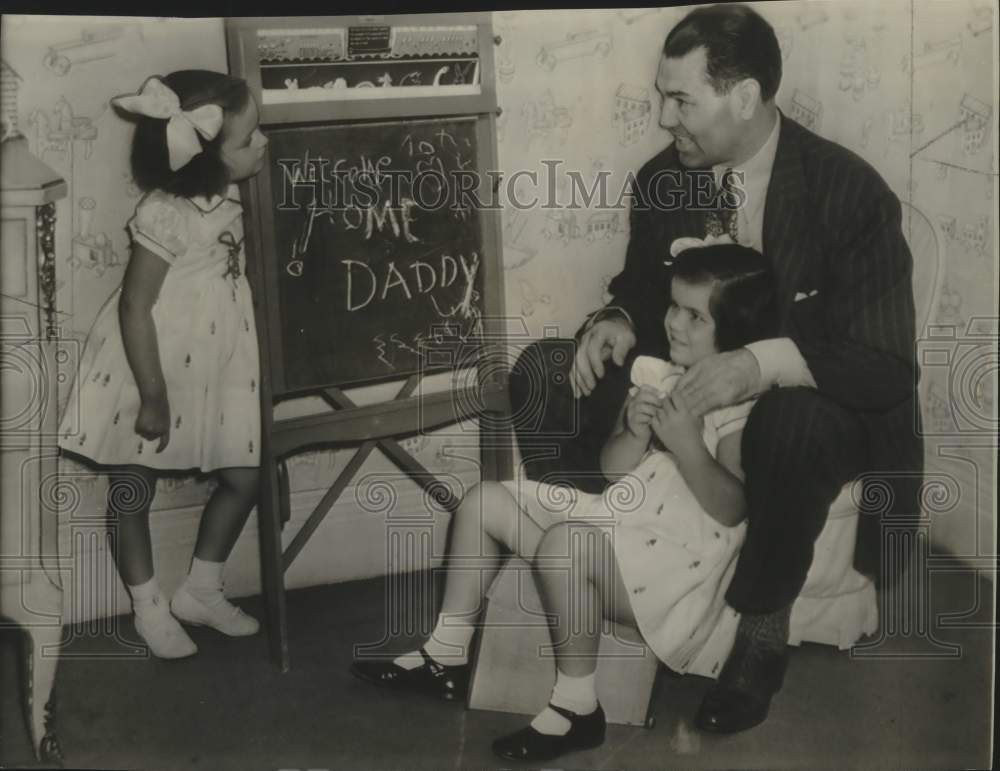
675 560
207 344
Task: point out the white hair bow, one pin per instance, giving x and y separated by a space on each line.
157 100
689 242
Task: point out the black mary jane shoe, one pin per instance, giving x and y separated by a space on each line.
586 731
430 678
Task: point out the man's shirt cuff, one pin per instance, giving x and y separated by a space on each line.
781 363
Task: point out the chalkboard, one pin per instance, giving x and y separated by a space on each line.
378 243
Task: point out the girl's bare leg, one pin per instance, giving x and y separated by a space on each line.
581 586
226 513
130 494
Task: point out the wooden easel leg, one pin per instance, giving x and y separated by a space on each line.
272 566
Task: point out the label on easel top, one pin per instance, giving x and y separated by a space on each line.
368 40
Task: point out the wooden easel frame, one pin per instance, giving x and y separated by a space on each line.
377 425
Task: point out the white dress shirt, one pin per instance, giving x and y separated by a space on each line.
780 361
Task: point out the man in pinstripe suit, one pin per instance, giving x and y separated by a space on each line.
836 393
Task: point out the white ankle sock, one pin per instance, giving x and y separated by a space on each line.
448 643
204 580
144 597
577 694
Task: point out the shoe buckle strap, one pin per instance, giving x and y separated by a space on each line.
568 714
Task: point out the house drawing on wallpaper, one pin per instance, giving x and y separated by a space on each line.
91 46
631 114
576 45
974 236
806 110
603 225
975 116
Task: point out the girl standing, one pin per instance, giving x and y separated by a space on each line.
168 378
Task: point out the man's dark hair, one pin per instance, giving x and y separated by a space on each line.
205 174
738 44
743 303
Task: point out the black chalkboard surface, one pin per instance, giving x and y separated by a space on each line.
378 249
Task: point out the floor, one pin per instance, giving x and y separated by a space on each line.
229 708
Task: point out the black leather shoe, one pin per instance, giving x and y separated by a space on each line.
742 696
726 710
430 678
585 731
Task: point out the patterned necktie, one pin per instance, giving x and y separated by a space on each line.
724 218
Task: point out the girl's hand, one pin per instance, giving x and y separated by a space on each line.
677 427
639 412
153 421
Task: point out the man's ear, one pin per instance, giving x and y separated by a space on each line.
745 97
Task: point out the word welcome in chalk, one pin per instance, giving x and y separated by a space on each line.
340 185
364 284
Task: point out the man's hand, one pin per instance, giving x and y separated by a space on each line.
720 380
608 338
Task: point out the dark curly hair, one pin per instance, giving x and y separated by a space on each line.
205 174
743 303
738 44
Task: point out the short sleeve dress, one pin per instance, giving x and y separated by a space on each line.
675 560
207 345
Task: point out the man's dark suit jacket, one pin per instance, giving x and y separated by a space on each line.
831 225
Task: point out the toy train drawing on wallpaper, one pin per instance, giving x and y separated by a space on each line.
563 225
576 44
91 46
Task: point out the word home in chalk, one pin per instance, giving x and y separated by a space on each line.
378 248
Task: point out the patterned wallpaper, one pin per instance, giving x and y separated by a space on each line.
906 84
